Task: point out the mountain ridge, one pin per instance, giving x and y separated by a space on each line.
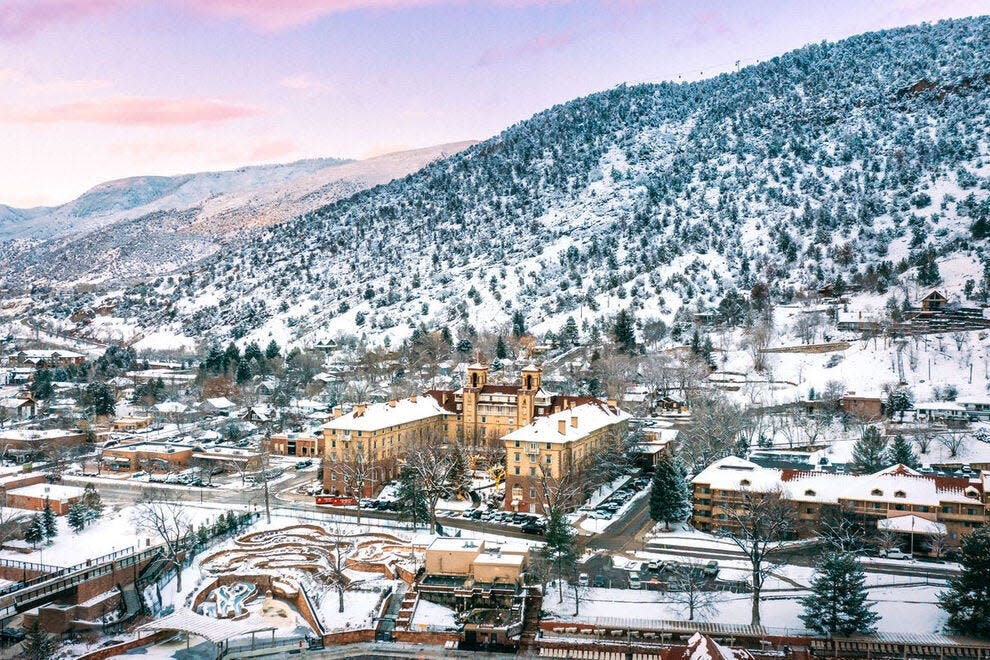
659 199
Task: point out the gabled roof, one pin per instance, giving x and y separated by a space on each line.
590 417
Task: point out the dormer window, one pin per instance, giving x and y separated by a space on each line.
876 492
745 483
809 493
899 493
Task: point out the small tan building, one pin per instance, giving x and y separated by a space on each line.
471 558
33 497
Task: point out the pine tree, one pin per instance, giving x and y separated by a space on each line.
869 452
38 644
837 604
92 501
410 498
501 351
35 532
243 373
623 331
518 324
901 452
49 523
560 549
668 492
77 516
272 350
967 600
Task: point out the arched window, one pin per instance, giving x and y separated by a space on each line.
529 382
876 492
900 493
474 380
744 482
809 493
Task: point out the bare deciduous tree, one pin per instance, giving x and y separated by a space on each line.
689 589
434 465
155 513
757 342
757 523
952 440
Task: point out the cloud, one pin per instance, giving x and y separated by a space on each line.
277 15
132 111
538 44
20 18
303 82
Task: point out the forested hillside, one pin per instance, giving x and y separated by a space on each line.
858 162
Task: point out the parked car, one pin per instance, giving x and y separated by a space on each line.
532 528
634 581
711 568
653 566
11 635
583 580
894 553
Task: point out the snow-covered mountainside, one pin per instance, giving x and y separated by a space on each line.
865 161
150 225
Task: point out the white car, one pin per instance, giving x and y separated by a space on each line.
583 580
895 553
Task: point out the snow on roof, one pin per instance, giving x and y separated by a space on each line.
894 483
454 544
912 524
35 434
55 492
220 402
40 354
383 415
590 418
211 628
498 559
171 407
477 365
734 473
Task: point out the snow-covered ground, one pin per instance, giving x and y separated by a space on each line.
902 609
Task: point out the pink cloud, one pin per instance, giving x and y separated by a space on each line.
537 44
276 15
25 17
132 111
303 82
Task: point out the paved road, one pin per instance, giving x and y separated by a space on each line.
626 533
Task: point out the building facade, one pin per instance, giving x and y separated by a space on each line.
362 448
956 505
556 447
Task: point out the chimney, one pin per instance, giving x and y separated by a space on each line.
613 404
562 426
574 421
337 411
413 398
391 403
359 409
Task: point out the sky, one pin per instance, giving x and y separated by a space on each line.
94 90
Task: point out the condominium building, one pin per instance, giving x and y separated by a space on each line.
897 498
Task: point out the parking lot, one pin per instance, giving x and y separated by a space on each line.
655 575
608 508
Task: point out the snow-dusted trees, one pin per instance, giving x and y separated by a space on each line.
967 600
670 496
837 604
434 465
870 451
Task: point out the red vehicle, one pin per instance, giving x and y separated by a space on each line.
336 500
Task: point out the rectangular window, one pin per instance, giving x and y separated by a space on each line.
532 471
532 492
517 457
517 469
549 460
516 444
